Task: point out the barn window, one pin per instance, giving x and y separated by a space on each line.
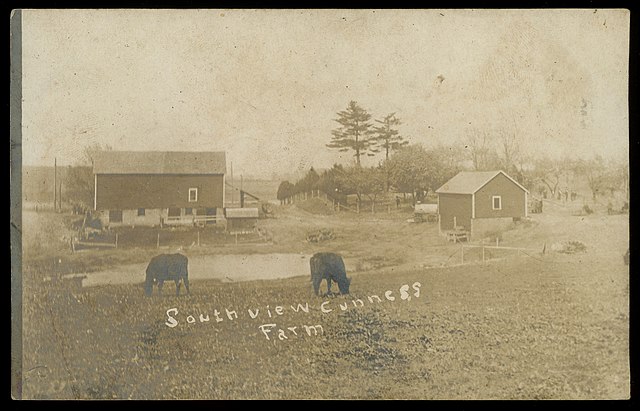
193 195
141 212
497 202
174 212
115 216
188 211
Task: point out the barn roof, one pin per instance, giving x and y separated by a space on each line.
468 182
159 162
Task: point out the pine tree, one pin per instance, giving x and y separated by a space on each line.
354 132
388 137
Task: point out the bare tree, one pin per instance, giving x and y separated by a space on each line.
362 181
509 150
480 150
551 172
79 180
595 171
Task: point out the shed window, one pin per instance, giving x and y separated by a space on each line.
141 212
188 211
496 202
193 195
115 216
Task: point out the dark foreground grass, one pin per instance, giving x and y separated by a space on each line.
556 327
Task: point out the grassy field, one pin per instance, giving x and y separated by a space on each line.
544 326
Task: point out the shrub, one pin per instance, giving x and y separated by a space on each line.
569 247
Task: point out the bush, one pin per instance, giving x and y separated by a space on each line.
318 236
569 247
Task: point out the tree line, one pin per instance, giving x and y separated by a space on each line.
413 168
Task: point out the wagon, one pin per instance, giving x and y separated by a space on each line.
425 212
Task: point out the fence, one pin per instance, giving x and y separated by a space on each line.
305 196
469 253
177 237
336 204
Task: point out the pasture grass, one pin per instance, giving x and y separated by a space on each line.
540 327
517 328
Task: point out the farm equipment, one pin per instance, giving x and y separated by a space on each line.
425 213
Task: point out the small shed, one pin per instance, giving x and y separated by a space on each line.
241 220
480 202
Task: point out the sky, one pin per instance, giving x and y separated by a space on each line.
265 85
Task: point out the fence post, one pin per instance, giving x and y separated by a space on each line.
497 242
116 240
358 207
198 238
462 252
236 238
158 241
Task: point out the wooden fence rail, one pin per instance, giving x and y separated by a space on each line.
519 250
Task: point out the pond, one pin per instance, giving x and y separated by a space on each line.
228 268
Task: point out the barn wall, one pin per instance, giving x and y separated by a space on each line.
152 218
480 227
150 191
131 218
513 199
454 205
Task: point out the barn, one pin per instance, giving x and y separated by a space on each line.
480 202
156 188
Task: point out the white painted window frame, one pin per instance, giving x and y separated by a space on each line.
493 202
193 189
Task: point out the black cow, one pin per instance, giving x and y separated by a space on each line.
329 266
167 267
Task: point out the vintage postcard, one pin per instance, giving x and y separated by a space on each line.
320 204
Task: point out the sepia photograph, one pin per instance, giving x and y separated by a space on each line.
366 204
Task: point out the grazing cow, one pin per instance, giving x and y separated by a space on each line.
329 266
167 267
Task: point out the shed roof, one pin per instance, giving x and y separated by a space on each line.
159 162
468 182
241 212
